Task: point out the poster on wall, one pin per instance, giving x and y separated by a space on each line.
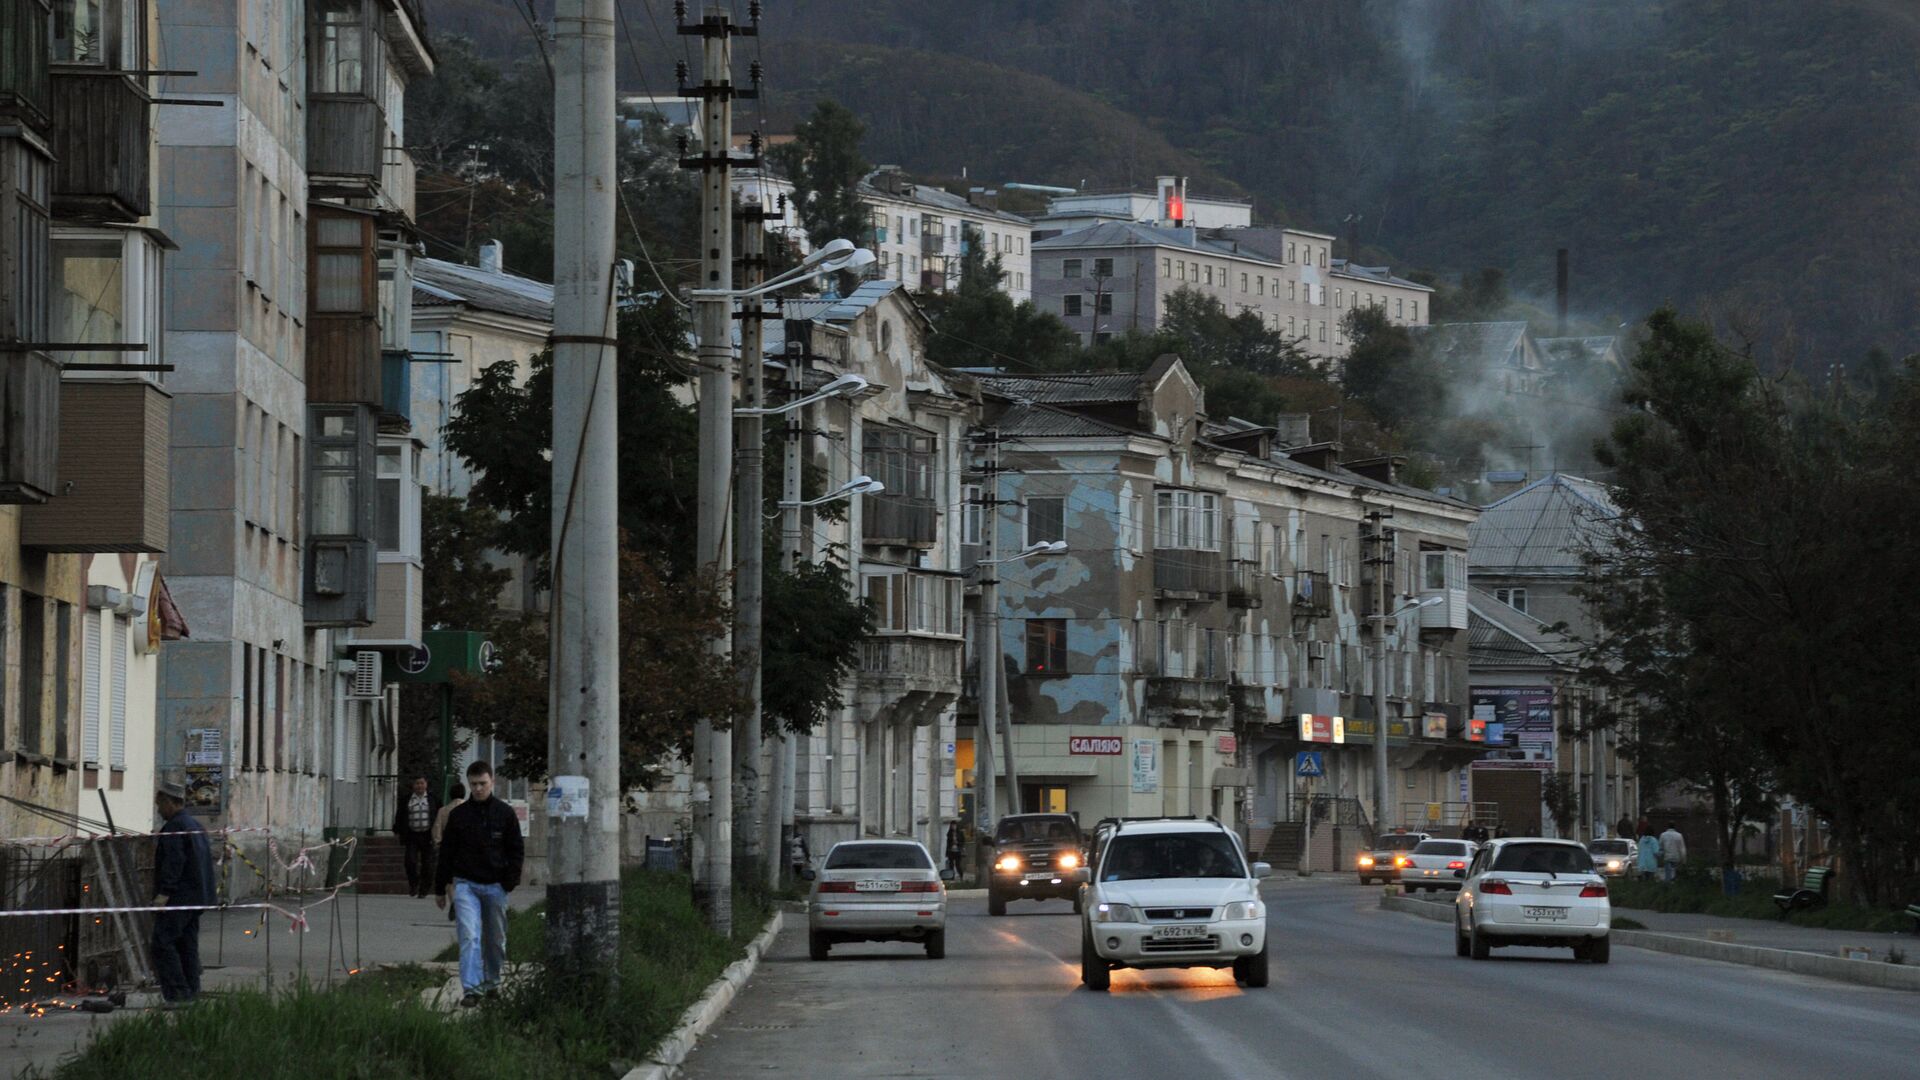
1146 766
206 768
1523 716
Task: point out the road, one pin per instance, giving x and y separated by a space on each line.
1356 992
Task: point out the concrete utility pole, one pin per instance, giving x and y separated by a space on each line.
1382 561
713 753
749 795
988 694
583 892
780 819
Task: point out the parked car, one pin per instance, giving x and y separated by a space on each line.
1529 891
1437 864
1383 860
1613 858
1173 893
1033 858
877 890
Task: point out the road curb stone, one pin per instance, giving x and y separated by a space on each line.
703 1014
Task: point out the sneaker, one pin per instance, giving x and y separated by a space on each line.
470 1001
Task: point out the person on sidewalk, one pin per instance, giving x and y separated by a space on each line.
1673 852
413 824
458 795
480 857
182 878
954 846
1625 828
1647 855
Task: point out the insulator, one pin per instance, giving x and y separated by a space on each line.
753 10
782 203
681 140
754 71
680 71
753 143
680 10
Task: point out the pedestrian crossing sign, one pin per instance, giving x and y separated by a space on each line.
1309 763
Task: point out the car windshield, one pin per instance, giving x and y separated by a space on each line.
1608 847
1441 847
878 857
1037 830
1396 842
1543 859
1171 855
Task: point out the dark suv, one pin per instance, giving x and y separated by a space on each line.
1033 858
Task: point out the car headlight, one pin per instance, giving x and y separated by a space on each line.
1366 860
1007 862
1069 861
1112 913
1244 909
1613 864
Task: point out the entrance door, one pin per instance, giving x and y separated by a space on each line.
1043 798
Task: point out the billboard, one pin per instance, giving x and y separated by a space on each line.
1320 728
1521 715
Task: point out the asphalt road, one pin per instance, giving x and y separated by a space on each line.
1356 992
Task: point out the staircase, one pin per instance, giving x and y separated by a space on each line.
1282 849
383 867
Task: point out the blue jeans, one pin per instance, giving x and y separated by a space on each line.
480 911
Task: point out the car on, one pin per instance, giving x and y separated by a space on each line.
877 890
1173 893
1615 857
1382 861
1437 864
1531 891
1033 858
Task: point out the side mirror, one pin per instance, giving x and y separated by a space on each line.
1261 870
947 874
1083 874
808 873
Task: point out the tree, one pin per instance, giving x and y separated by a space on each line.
978 325
1382 371
826 168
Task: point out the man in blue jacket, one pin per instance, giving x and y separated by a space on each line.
182 878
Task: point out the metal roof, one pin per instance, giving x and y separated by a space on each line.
1135 234
439 283
1568 353
1382 274
1031 420
940 198
1502 636
1543 528
1474 345
1076 388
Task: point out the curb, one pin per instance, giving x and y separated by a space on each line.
1874 973
703 1014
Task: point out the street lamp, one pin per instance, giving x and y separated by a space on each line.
1380 703
1038 547
851 387
833 257
859 485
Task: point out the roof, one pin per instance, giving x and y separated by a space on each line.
1135 234
1382 275
1028 420
927 195
832 309
1568 353
439 283
1473 345
1171 825
1543 528
1499 635
1075 388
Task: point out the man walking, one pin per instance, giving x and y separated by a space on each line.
182 878
413 823
480 855
1673 852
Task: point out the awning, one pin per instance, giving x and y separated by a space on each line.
173 626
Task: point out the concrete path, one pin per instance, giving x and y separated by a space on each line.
1776 935
1356 991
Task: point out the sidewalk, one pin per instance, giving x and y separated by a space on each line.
1766 934
242 953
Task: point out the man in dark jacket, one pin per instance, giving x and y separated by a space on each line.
480 854
182 878
413 817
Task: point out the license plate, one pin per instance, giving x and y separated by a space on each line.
876 885
1178 933
1548 913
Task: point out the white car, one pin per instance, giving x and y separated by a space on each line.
1173 893
1436 864
1529 891
877 890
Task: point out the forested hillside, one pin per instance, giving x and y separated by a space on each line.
1755 159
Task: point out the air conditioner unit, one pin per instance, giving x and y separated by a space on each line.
1319 650
366 676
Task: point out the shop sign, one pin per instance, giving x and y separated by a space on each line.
1315 727
1228 744
1476 730
1435 725
1102 745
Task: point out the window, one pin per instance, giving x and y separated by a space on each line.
1103 304
109 33
1193 271
1102 338
1070 268
1103 268
1413 310
1323 258
1206 275
1186 520
1019 279
90 690
1259 284
105 290
343 56
972 513
1166 267
1323 331
1046 646
1282 557
343 264
1046 518
879 856
1399 306
1339 298
1343 566
1513 598
901 460
1243 282
335 470
1070 305
1293 290
387 528
1433 573
1131 523
905 602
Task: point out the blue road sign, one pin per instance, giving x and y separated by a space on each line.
1309 763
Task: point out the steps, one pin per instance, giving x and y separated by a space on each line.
1282 849
383 867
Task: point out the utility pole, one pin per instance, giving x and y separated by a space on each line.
749 794
1382 561
713 753
780 818
988 695
583 892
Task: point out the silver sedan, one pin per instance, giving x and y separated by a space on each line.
877 890
1437 864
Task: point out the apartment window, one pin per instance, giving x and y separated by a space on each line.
118 645
1259 284
1103 304
1070 305
1186 520
901 460
343 264
1323 258
1193 271
1243 282
1206 275
106 290
1339 299
387 501
1046 519
1513 598
1323 331
1102 337
972 514
1166 267
1413 310
1442 570
1019 245
1293 290
33 662
343 56
1290 256
1282 558
1131 523
62 663
1046 646
1399 306
90 690
1070 268
904 602
1103 268
1019 279
1344 569
100 32
334 468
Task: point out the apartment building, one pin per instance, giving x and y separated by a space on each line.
1215 589
1168 202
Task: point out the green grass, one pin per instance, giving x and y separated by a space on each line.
1697 891
374 1027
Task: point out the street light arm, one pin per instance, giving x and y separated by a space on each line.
846 386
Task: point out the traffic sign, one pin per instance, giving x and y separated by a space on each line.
1309 763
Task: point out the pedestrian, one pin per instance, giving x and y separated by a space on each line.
1673 852
1647 857
798 857
413 818
954 846
182 878
1625 828
1499 830
480 856
458 795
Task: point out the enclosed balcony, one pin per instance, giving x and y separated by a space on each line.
25 90
346 143
1189 575
102 130
1244 582
346 76
1312 594
344 358
29 427
899 521
111 494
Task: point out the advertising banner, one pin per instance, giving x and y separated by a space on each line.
206 768
1524 715
1146 766
1315 727
1434 725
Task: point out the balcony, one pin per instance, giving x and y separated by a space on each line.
1243 585
1193 699
396 385
398 591
398 180
933 243
344 361
902 521
29 427
346 144
1186 575
1312 594
102 128
112 489
907 677
25 45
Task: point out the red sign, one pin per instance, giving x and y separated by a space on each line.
1476 731
1327 729
1228 744
1095 744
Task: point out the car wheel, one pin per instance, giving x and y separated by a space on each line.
1076 904
1461 946
1363 880
936 945
1477 944
1252 970
996 904
1598 949
1093 969
817 944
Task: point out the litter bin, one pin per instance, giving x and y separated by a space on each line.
1730 882
661 854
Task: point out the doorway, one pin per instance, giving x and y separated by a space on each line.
1043 798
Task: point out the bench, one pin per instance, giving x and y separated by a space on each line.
1812 892
1913 912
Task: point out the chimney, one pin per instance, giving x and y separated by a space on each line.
1293 429
984 198
1503 483
1560 292
1385 469
493 257
890 179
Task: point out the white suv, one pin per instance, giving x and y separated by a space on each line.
1527 891
1173 893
